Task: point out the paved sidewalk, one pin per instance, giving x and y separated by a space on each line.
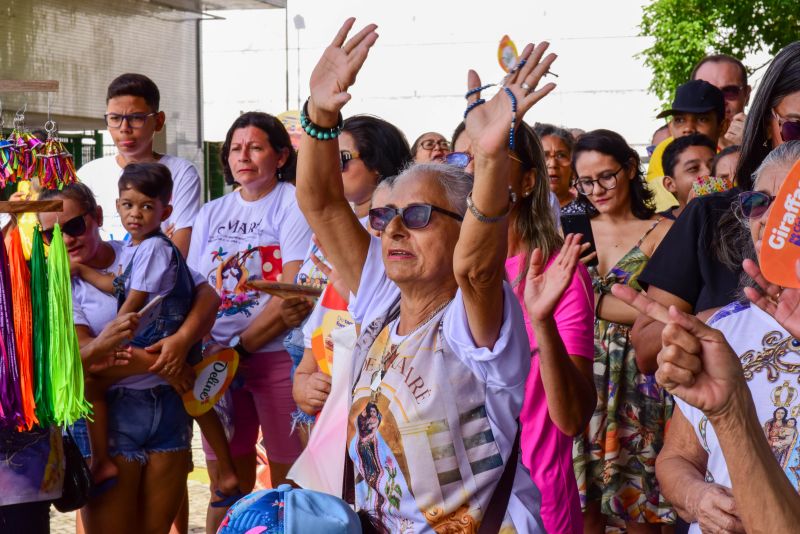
198 496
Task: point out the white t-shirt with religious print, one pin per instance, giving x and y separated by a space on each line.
102 176
235 241
430 444
770 358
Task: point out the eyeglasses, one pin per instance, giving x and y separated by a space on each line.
585 186
135 120
790 129
429 144
458 159
754 204
414 216
347 155
560 158
74 227
731 92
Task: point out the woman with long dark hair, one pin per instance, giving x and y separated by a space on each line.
614 458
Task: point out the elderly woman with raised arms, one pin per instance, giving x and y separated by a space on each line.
439 368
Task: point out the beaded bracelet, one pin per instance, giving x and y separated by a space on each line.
316 131
512 198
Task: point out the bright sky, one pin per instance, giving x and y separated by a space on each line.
415 75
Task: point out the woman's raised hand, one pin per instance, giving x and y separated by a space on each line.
488 124
336 72
544 288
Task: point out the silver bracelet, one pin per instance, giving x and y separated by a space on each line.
512 198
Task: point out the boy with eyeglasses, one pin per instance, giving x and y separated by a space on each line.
133 118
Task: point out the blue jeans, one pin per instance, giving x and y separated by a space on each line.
141 421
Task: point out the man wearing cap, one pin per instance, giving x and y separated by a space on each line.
729 75
699 107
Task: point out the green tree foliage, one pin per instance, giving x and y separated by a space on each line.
686 30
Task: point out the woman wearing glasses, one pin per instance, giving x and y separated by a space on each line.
691 468
614 459
439 368
371 150
149 429
430 146
254 233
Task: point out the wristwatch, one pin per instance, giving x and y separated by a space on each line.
236 343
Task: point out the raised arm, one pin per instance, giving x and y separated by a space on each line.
481 250
320 193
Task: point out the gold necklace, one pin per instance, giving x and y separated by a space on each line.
377 375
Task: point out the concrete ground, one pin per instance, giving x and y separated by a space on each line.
198 496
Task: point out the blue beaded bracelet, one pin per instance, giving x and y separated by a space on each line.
316 131
478 90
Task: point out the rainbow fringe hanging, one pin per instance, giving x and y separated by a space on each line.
42 391
66 370
54 165
10 401
23 333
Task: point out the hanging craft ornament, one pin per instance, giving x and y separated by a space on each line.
54 165
23 333
10 399
42 390
5 154
66 371
22 150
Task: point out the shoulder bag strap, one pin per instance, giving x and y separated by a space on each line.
498 504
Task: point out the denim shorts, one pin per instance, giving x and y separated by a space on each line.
141 421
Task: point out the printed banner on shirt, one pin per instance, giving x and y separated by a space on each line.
780 242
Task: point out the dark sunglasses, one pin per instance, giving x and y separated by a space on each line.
754 204
346 156
731 92
790 129
74 227
414 216
458 159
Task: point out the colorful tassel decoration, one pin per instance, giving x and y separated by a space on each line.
10 401
23 324
66 370
54 166
42 390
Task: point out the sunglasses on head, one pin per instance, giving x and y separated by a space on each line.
414 216
74 227
754 204
347 156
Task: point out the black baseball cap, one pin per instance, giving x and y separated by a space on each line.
696 96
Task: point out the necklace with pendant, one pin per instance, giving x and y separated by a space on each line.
391 350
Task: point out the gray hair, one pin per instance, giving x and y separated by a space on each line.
784 155
455 183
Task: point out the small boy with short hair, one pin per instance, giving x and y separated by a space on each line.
686 159
156 269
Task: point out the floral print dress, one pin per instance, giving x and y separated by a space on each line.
615 457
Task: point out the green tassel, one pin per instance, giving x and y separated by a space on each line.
66 369
42 392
